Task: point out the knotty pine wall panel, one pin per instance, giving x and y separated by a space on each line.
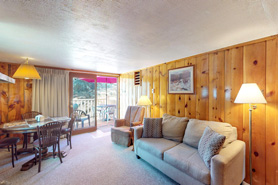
4 88
218 77
171 98
233 82
156 94
180 98
254 65
271 112
190 99
16 99
163 75
202 88
216 86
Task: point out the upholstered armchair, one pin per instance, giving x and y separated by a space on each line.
121 132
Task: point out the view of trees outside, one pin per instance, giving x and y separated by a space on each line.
83 89
111 93
84 96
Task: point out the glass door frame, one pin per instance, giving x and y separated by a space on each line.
82 75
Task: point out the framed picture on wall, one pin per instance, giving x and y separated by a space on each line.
181 80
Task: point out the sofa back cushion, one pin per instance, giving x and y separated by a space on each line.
195 129
173 127
152 128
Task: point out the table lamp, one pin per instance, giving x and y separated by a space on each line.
144 101
250 93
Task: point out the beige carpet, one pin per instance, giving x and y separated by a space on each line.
94 159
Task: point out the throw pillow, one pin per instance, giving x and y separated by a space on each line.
195 130
210 144
152 128
173 127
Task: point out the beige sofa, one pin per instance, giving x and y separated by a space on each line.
183 163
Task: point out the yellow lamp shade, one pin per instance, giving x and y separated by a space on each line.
144 101
250 93
27 71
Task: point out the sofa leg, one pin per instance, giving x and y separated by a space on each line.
138 157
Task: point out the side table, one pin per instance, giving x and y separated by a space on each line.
132 135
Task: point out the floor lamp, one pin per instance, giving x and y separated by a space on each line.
144 101
250 93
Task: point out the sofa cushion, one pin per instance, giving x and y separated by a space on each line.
123 131
155 146
173 127
195 130
187 160
152 128
210 144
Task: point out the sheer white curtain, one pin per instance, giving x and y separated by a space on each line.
50 95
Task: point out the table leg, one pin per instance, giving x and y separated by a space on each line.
24 148
45 155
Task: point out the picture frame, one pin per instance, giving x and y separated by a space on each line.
181 80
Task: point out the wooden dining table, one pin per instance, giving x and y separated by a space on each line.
30 126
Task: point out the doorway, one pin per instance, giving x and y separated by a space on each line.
83 101
107 96
95 100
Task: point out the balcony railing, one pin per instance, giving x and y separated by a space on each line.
88 106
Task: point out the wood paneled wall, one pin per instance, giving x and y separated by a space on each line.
219 76
15 98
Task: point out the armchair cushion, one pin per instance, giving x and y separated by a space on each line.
173 127
210 144
152 128
122 131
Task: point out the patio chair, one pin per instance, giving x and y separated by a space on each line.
10 142
110 112
48 135
121 132
80 116
68 132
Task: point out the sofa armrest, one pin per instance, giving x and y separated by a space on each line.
138 132
135 124
119 122
228 167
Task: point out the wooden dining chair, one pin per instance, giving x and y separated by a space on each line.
68 132
28 115
48 135
10 142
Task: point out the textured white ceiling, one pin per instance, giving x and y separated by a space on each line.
124 35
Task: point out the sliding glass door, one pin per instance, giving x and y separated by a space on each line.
107 89
83 101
